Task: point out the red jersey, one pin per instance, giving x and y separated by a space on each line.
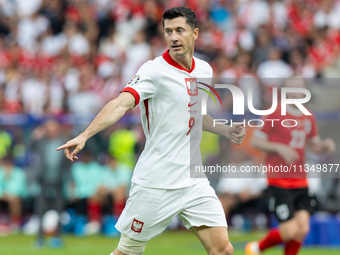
294 134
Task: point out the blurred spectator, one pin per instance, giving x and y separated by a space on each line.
271 73
53 10
72 48
264 42
115 182
33 91
122 143
77 43
5 143
27 8
85 101
328 15
274 67
12 189
242 75
324 50
255 13
239 39
300 65
136 54
29 29
109 46
51 171
87 177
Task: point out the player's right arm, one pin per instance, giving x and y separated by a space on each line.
109 115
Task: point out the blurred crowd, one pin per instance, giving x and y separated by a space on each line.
95 186
61 57
72 56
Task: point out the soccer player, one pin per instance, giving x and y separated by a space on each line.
289 196
161 184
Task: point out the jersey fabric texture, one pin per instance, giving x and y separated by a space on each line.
295 137
160 89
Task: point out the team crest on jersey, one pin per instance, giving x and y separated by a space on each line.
137 226
192 86
134 80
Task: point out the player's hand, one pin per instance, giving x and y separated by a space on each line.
236 133
72 147
329 145
288 154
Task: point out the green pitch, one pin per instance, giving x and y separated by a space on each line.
169 243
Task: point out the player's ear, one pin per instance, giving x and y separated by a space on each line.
195 33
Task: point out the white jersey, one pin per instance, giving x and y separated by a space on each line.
160 88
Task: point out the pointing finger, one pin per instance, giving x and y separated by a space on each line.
64 146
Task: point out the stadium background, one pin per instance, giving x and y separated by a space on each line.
64 60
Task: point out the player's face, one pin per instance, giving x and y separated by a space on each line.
295 83
179 36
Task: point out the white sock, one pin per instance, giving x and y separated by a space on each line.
255 247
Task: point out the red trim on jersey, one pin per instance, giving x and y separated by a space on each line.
146 104
133 92
172 62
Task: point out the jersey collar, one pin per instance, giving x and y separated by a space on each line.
172 62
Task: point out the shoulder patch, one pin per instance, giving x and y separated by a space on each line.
134 80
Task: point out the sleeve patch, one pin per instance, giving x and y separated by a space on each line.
135 79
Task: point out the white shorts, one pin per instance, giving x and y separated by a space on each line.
149 211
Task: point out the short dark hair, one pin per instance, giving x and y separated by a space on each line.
185 12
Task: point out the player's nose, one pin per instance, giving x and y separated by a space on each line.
174 37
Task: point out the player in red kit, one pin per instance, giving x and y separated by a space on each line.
285 144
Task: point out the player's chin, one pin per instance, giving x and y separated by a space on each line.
177 52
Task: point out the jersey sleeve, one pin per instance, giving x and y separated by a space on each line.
145 83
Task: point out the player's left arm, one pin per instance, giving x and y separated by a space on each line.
235 133
319 146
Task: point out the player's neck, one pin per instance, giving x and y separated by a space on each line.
185 62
